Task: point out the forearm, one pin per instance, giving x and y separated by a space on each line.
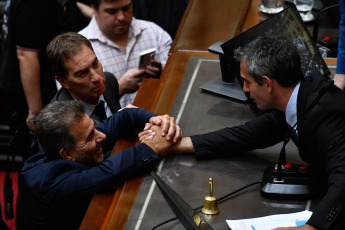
31 79
115 169
185 145
86 10
122 88
122 124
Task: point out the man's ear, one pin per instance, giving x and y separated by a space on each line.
67 154
269 83
63 82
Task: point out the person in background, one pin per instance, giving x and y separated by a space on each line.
29 25
118 38
71 167
76 67
310 111
339 77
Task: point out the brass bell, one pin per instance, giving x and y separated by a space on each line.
210 205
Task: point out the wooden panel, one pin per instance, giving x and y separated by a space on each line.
97 210
254 16
209 21
183 21
121 208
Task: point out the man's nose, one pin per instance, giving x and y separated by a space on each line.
245 88
120 15
100 136
95 76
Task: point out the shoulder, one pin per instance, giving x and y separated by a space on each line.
62 95
91 31
109 76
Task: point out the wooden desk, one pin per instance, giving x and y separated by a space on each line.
206 22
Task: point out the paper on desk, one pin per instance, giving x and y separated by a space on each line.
271 222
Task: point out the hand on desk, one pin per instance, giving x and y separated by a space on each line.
304 227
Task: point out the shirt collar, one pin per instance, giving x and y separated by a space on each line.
291 108
90 107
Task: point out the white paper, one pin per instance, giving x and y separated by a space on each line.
271 222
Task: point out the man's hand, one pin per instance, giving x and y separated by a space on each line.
339 80
169 128
304 227
130 81
154 70
158 143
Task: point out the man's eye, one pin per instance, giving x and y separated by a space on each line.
126 8
81 74
112 12
95 64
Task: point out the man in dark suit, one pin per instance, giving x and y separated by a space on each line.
76 67
309 110
72 167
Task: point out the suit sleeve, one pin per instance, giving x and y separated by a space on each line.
122 124
330 212
76 179
264 131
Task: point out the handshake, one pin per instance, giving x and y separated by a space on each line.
162 135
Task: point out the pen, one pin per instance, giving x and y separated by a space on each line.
252 227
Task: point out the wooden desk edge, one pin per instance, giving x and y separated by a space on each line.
183 20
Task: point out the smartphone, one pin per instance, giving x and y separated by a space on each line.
146 57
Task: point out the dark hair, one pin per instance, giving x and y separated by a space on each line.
61 48
273 56
53 125
96 3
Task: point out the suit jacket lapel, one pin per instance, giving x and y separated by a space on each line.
111 94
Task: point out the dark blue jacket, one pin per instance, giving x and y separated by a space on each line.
62 189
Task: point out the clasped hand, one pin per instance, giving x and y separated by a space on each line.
160 133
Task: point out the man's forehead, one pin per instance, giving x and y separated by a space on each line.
83 56
119 3
82 128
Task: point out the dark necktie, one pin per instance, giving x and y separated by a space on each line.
98 113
